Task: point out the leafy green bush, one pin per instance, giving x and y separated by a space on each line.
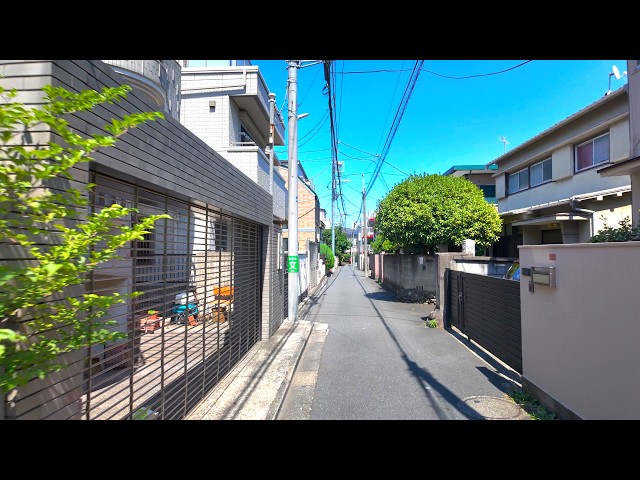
625 232
329 257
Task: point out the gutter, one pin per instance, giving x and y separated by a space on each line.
573 202
577 198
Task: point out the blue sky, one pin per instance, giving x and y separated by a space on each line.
456 114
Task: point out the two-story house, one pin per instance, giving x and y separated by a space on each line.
549 190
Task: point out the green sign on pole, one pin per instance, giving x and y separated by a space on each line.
292 264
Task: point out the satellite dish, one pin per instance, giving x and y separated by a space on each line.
616 72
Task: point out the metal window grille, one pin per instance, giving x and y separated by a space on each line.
162 368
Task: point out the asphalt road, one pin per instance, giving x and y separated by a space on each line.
372 357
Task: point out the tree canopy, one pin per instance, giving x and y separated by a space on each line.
424 211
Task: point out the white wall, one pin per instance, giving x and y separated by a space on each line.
580 338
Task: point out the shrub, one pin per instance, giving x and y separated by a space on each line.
625 232
329 257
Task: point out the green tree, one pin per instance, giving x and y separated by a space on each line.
39 319
381 244
342 242
424 211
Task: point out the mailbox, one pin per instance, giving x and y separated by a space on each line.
543 276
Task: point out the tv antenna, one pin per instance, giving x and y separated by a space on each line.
616 73
504 141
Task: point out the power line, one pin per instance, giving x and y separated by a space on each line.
396 123
435 73
480 74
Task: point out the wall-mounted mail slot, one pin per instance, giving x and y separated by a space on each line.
543 276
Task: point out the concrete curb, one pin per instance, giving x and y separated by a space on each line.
255 388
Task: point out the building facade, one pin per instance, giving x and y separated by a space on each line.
549 190
228 105
216 240
631 167
309 223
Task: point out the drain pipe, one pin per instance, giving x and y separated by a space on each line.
572 203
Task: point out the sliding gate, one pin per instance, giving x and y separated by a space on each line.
487 310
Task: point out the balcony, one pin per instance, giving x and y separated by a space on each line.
157 80
247 89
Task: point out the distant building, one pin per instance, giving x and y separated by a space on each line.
480 175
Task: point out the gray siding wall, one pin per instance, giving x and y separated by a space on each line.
162 155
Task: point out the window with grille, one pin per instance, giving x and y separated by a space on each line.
144 249
219 235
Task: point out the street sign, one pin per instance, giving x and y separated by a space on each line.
292 264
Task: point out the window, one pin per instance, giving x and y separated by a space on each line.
593 152
519 181
532 176
145 249
540 172
219 236
488 190
245 137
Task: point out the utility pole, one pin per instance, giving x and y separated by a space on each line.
364 227
334 160
353 240
333 206
293 264
272 113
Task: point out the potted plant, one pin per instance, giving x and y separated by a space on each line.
153 314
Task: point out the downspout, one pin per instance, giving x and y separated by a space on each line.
572 203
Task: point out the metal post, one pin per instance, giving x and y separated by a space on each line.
364 227
272 102
333 204
293 264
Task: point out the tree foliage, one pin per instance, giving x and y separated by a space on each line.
424 211
381 244
342 241
39 320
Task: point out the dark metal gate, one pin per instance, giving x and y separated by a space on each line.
487 310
